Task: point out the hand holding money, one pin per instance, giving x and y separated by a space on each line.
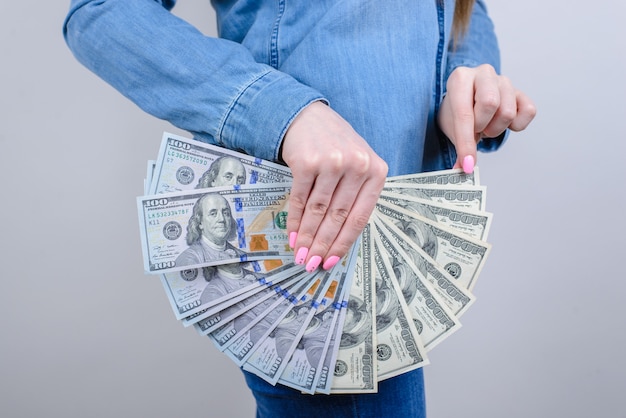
337 178
214 226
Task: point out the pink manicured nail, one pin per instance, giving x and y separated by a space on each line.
468 164
313 263
292 239
330 262
301 255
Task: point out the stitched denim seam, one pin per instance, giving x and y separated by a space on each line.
444 143
274 36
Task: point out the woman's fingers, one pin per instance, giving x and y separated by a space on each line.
501 115
357 217
480 103
526 112
350 208
487 100
315 211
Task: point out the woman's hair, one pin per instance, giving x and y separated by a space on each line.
462 15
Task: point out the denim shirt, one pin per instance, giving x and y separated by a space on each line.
381 65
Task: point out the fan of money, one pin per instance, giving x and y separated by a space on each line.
213 227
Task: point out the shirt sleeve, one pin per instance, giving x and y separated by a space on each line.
210 87
478 46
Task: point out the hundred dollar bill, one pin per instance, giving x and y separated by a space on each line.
355 367
147 182
208 320
205 318
223 225
271 356
455 297
454 176
193 290
463 257
305 367
432 318
473 223
399 348
185 164
470 197
247 343
302 366
215 310
228 313
239 330
324 377
194 318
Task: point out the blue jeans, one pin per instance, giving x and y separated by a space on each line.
398 397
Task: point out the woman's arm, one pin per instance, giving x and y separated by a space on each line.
210 87
214 89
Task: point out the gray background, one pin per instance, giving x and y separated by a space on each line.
86 334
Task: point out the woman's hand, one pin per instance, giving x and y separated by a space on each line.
481 104
337 179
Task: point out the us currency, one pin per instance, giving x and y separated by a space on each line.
207 316
205 313
147 182
399 348
434 190
241 332
194 318
457 298
305 367
470 197
433 319
355 367
194 290
303 364
242 305
450 177
185 164
473 223
271 356
324 377
463 257
224 225
247 342
175 150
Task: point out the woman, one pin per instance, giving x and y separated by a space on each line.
344 92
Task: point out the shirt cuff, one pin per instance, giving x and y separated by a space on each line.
260 115
492 144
